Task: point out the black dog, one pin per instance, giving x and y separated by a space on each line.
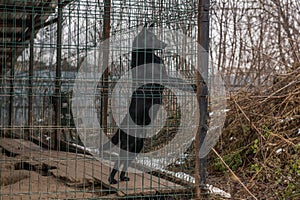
143 99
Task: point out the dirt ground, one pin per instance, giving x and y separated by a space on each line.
28 171
21 181
25 184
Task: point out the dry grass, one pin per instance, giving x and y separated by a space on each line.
261 139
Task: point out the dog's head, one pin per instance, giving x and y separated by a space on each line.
147 40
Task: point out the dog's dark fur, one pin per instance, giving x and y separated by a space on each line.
142 100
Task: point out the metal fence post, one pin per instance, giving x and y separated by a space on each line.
106 34
57 92
202 94
30 74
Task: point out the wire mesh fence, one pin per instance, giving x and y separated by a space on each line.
90 86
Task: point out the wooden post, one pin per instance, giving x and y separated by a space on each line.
11 92
30 74
1 98
2 95
57 92
202 96
106 34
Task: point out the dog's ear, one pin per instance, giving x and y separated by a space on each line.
151 25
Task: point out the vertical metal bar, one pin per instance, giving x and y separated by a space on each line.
202 95
197 137
203 130
12 78
57 92
30 83
204 41
106 34
2 89
11 92
1 98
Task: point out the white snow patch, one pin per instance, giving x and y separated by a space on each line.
218 191
219 112
152 163
286 119
47 137
278 151
181 159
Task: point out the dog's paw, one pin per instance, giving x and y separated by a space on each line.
112 181
124 178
